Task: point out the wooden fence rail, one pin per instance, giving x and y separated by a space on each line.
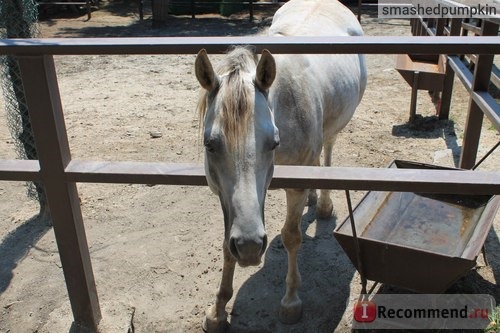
475 80
59 173
289 45
352 178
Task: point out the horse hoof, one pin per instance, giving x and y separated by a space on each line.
291 313
312 198
324 211
215 326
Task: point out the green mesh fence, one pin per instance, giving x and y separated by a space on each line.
18 19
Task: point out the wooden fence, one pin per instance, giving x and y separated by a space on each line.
474 70
77 3
160 7
59 173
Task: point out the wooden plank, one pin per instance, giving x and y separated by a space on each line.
136 173
463 73
472 134
449 78
44 104
436 181
495 76
472 28
20 170
285 176
444 109
489 106
475 115
414 94
291 45
76 3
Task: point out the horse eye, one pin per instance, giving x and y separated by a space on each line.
212 145
209 147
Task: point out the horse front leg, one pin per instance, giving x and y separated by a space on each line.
324 209
216 315
291 305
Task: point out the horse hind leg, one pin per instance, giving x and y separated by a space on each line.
216 316
324 208
312 197
291 305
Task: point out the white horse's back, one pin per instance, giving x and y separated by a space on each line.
314 96
315 18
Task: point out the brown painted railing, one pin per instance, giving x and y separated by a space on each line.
476 81
59 173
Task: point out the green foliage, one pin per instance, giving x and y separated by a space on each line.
494 318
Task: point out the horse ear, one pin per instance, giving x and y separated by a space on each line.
204 71
266 71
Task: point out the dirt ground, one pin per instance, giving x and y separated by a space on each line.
156 250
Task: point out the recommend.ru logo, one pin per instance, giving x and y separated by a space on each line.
423 311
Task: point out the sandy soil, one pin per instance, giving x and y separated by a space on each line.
156 249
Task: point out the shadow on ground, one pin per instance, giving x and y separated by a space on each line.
431 127
175 27
178 26
15 246
326 278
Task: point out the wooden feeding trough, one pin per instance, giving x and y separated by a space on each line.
422 242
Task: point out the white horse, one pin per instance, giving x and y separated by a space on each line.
279 109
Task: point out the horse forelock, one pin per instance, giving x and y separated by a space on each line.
234 94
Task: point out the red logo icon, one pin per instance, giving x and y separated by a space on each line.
365 311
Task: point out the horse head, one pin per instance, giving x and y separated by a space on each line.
240 136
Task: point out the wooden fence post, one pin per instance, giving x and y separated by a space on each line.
444 108
45 110
250 9
482 73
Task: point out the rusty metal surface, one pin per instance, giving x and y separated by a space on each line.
191 45
436 223
418 241
430 75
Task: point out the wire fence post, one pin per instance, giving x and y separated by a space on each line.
18 19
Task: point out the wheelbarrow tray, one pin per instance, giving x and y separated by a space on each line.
418 241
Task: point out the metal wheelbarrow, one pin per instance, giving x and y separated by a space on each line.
422 242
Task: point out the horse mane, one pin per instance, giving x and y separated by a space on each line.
234 93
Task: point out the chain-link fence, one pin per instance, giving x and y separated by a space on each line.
18 19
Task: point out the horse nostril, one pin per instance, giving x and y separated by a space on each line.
240 248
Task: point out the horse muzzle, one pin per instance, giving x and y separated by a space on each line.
248 251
